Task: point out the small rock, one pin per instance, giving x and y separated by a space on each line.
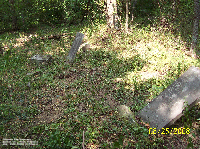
28 84
125 112
41 58
85 47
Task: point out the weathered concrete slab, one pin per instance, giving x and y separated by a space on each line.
75 46
167 107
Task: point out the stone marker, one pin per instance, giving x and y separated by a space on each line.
167 107
75 46
41 58
85 47
125 112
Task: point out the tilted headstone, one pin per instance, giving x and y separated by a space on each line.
167 107
75 46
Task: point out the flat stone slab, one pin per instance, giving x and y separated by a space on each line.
167 107
41 58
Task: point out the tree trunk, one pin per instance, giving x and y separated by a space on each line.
195 28
111 13
126 24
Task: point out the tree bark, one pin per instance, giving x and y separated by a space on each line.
126 24
111 13
195 28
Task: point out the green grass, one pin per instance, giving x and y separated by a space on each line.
120 68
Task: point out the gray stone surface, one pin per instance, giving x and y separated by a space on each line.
167 107
75 46
41 58
125 112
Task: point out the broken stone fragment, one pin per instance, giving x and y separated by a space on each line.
85 47
125 112
41 58
34 73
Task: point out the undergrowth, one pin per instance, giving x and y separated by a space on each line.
71 106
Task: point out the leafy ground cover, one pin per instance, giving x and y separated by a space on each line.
74 106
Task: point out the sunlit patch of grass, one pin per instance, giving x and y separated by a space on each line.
160 50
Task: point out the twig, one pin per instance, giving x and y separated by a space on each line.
83 140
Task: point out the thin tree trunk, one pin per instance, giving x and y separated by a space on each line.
195 27
111 13
126 24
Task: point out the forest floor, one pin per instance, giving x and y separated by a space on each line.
74 105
